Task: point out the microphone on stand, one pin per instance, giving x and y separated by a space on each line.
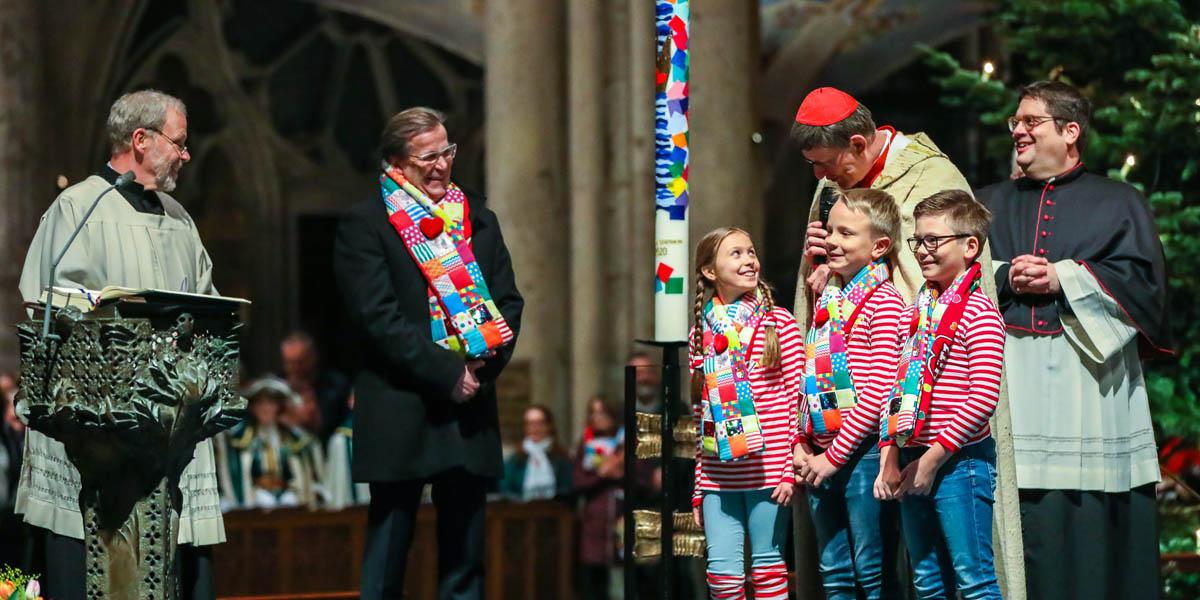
827 200
125 178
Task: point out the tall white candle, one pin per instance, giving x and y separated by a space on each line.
671 172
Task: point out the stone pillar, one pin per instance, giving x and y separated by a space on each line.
586 155
640 158
524 90
726 171
24 186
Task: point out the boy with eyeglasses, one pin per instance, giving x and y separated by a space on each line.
939 458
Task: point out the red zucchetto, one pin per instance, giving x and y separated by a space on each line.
825 106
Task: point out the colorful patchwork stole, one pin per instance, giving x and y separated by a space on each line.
828 383
463 316
931 335
729 427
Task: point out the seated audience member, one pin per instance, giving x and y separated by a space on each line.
321 392
598 472
15 544
340 487
262 463
540 467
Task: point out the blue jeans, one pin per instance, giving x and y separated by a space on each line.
949 532
856 533
729 516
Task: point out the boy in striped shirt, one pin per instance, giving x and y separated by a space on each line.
939 457
850 364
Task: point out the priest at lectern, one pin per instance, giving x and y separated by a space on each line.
138 236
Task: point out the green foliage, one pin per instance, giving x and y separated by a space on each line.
17 579
1139 62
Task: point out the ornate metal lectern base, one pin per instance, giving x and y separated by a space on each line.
129 399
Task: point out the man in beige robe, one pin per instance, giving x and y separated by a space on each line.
839 139
138 237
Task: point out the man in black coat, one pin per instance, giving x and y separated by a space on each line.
426 400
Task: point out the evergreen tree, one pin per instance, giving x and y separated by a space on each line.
1139 62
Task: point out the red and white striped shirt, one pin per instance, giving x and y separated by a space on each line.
776 395
966 392
872 351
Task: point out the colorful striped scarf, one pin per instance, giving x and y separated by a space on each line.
729 425
932 331
463 316
828 383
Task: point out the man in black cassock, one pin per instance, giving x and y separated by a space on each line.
1082 285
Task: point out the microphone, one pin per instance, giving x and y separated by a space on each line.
827 200
125 178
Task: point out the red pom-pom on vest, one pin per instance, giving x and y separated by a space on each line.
720 344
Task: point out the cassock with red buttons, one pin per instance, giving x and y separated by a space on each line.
1103 225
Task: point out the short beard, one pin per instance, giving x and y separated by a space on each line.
163 179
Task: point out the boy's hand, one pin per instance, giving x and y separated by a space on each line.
800 457
782 495
818 279
887 484
918 477
819 470
698 516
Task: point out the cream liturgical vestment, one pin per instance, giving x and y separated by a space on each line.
124 247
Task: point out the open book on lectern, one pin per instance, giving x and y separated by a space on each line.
89 300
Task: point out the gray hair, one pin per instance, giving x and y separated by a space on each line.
143 109
403 126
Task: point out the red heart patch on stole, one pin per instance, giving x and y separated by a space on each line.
431 227
720 343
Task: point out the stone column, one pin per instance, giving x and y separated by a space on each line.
24 186
726 171
524 89
589 249
640 158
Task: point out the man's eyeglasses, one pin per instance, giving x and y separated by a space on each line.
827 164
1030 121
183 149
447 153
933 242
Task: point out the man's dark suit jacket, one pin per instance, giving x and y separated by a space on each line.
406 426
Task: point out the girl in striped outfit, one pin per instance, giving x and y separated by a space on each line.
746 356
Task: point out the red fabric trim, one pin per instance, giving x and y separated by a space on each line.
1145 338
880 161
1036 331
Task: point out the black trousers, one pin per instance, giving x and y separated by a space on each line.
63 572
1091 545
459 498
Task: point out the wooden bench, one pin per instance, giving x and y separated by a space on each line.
298 553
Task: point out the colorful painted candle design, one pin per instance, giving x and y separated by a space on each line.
671 171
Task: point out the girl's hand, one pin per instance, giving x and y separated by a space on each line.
782 495
698 516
